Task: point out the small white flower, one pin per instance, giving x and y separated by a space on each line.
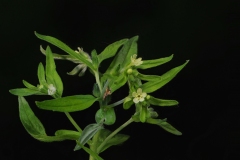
139 96
51 89
136 61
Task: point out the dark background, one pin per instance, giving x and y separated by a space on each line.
205 32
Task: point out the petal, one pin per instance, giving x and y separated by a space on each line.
134 94
139 90
144 94
141 99
135 100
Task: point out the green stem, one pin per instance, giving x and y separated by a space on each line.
73 122
98 81
116 103
114 133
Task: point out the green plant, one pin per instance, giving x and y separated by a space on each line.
122 70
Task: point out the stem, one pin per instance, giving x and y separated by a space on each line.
114 133
116 103
98 81
73 122
91 157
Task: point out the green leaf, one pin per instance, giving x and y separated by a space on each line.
101 135
117 82
162 102
88 132
111 50
25 92
152 86
95 60
108 114
67 134
143 114
41 74
30 122
68 104
96 91
149 77
166 126
90 152
123 57
128 102
29 86
65 48
51 73
155 62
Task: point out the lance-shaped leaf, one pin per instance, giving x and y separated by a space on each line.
101 135
29 86
51 73
162 102
152 86
165 125
111 50
143 114
95 60
41 74
67 134
30 122
65 48
88 132
155 62
25 92
68 104
123 57
149 77
128 102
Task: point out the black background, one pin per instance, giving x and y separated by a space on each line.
205 32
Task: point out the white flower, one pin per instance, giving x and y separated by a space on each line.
139 95
51 89
136 62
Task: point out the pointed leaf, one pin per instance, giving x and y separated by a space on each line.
149 77
95 60
25 92
166 126
65 48
67 134
30 122
123 57
88 132
162 102
29 86
41 74
51 73
111 50
68 104
143 114
128 102
155 62
152 86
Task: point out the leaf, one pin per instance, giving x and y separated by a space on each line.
68 104
88 132
41 74
51 73
143 114
162 102
108 114
25 92
30 122
149 77
123 57
90 152
29 86
96 91
101 135
166 126
128 102
118 82
155 62
67 134
65 48
152 86
95 60
111 50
